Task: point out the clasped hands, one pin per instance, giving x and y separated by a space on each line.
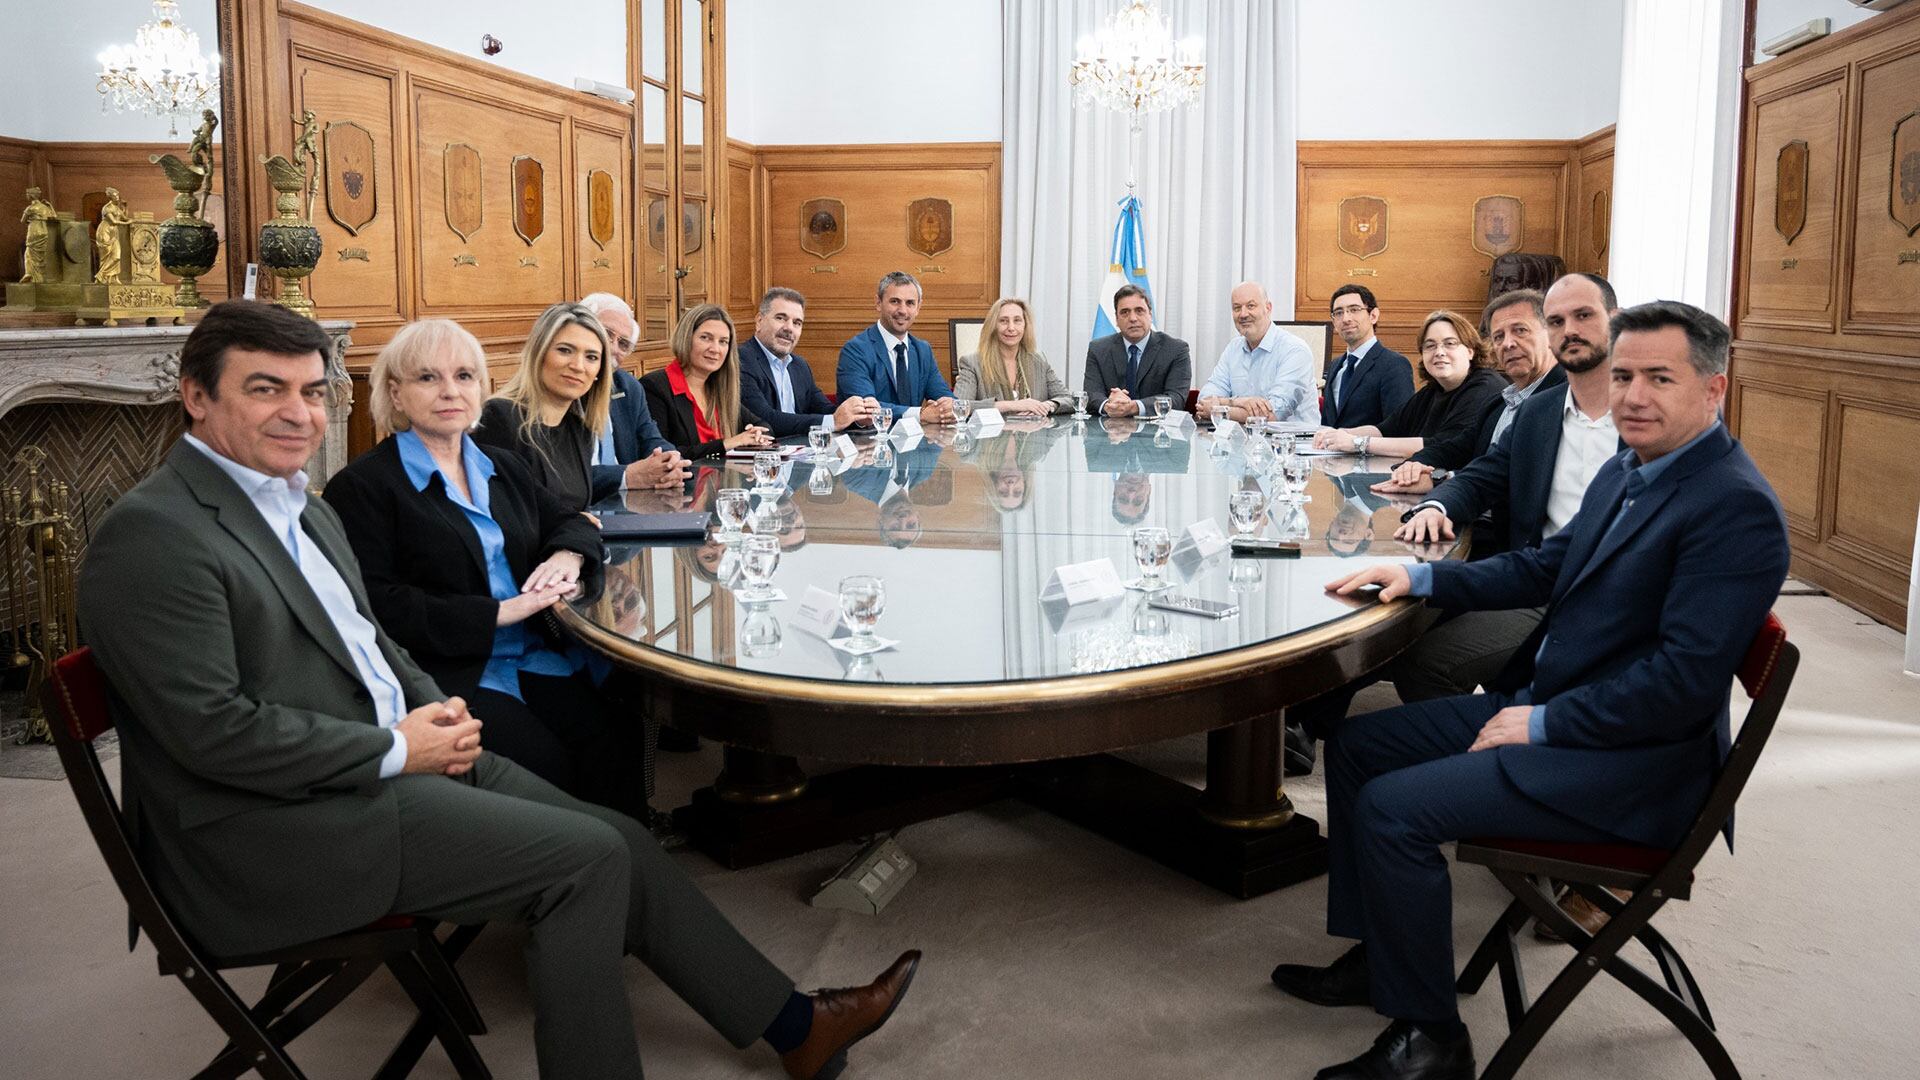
442 738
552 581
1239 409
660 469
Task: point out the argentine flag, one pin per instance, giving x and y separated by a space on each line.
1128 263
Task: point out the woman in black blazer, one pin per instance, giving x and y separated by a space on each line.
1458 388
696 398
463 551
553 413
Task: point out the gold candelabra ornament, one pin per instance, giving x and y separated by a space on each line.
289 244
40 539
162 72
1133 65
189 244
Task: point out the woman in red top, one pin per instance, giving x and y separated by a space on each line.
696 398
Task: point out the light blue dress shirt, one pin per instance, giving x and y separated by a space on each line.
1279 369
1639 478
1514 396
281 502
514 649
782 378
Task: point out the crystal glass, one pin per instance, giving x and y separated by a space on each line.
962 410
1245 508
1080 404
730 505
1295 471
760 557
1152 547
766 472
1284 442
862 598
883 420
964 441
1220 415
820 482
760 634
1244 576
1162 405
819 442
1259 455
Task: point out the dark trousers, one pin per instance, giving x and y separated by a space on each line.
1460 652
567 734
502 844
1400 783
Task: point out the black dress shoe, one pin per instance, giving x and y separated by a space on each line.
1403 1052
1343 982
1299 751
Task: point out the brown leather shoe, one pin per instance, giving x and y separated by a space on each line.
844 1017
1582 911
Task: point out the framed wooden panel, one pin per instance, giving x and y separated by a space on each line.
360 277
1873 514
1787 429
1885 263
1791 275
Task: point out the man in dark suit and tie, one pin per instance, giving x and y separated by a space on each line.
1610 723
885 363
290 773
1137 363
631 453
776 384
1370 382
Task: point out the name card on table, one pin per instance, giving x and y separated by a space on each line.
1206 537
1178 421
1083 583
843 447
819 613
906 426
1225 429
988 418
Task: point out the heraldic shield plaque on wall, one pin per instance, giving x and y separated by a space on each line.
1499 225
600 215
1904 200
352 199
1363 226
929 226
823 227
463 189
1790 190
529 198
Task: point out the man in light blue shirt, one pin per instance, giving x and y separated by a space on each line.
1265 373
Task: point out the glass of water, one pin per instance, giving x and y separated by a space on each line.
1080 404
766 472
1284 442
1221 414
819 442
883 420
820 481
862 598
1295 471
730 505
759 558
1152 547
1244 508
761 634
1162 405
962 410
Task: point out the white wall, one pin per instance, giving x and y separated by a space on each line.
1493 69
48 75
551 39
863 71
1771 18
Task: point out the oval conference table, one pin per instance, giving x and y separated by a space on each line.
994 686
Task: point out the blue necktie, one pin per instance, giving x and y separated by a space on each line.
1133 369
900 371
1340 379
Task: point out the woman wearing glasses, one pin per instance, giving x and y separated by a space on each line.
1458 387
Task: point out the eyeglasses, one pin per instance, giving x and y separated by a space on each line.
1431 347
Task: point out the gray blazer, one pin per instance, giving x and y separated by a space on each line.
250 746
1042 382
1166 367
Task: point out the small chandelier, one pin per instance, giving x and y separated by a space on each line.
162 73
1131 66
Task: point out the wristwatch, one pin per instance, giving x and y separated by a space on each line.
1360 444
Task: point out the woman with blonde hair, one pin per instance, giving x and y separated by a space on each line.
553 411
1007 370
461 547
696 398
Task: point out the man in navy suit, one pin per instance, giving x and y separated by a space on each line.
1607 727
885 363
777 386
631 454
1371 381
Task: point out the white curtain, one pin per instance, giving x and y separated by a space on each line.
1674 149
1215 179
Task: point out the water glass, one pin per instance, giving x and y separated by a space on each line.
1220 415
1295 471
1162 405
1284 442
962 410
819 443
760 557
883 420
766 472
1244 508
964 441
1080 404
862 598
761 634
820 481
1152 547
730 505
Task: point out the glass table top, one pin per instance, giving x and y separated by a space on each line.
966 532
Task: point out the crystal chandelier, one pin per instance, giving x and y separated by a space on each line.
162 73
1131 66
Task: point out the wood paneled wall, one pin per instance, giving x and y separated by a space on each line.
876 184
1826 355
408 262
68 172
1429 188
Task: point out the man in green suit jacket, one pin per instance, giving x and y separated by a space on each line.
289 773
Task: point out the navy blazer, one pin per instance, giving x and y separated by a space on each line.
1513 480
1375 389
1455 456
1647 621
866 370
762 398
635 435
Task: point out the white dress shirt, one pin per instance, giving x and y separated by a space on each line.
783 378
280 503
1359 354
1585 445
1279 369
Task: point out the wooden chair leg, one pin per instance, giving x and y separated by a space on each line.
1480 964
436 959
413 978
287 984
407 1052
1546 1009
218 1000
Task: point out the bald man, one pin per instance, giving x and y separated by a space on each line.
1265 372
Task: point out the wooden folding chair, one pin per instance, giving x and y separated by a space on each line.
1652 876
308 979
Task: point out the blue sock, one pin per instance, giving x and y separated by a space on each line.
793 1025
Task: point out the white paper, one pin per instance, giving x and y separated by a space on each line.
843 446
819 613
1080 583
1206 537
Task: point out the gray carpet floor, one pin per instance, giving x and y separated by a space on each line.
1053 954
